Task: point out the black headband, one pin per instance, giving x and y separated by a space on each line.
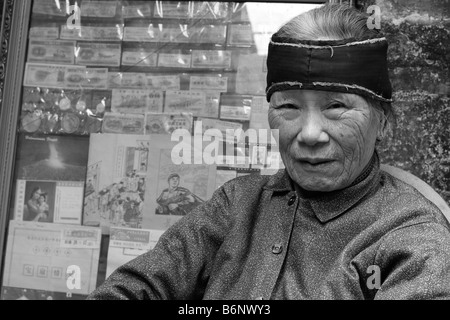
344 66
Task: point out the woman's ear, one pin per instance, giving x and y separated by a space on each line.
383 126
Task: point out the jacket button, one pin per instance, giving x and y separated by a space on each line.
292 200
277 248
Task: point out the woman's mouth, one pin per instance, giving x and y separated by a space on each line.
315 163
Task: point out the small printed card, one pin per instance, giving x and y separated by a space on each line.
185 101
136 101
166 123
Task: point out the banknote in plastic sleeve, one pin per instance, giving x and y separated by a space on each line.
98 54
235 107
220 125
48 75
127 80
50 7
169 82
212 102
139 57
240 35
166 123
179 33
136 101
185 101
88 78
136 80
123 123
142 34
174 60
89 33
137 9
54 51
208 83
49 33
211 10
173 9
211 59
99 9
214 34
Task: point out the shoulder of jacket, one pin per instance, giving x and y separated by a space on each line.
252 181
402 196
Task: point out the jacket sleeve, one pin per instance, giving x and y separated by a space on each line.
179 265
415 263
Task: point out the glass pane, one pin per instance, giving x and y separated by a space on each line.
107 87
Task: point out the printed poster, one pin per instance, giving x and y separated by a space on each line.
38 256
51 172
49 201
14 293
138 185
175 187
115 192
125 244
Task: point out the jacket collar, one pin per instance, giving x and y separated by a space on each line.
328 205
280 182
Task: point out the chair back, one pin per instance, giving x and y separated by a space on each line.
423 187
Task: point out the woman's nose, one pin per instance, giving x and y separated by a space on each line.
312 130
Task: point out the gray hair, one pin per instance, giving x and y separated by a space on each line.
328 22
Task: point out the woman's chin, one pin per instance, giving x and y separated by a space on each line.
320 186
325 181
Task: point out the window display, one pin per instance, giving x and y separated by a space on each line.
112 93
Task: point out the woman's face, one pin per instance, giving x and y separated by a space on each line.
326 138
36 194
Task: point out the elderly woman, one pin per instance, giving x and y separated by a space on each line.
332 225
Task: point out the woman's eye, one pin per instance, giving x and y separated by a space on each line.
336 106
287 106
